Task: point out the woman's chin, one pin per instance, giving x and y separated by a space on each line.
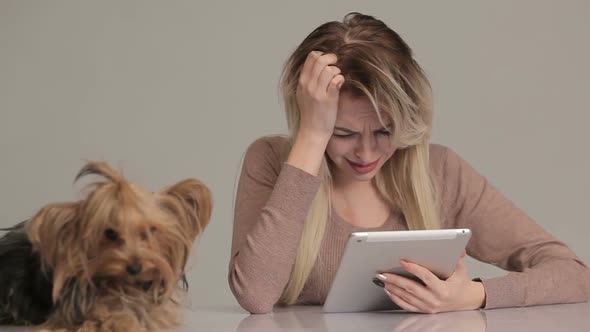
363 177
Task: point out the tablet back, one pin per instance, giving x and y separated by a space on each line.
369 253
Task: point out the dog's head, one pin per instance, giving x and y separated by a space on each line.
121 236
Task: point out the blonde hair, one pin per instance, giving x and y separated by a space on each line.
376 64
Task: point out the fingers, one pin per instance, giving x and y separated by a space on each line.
319 77
319 65
413 302
434 284
434 296
308 66
326 76
422 273
401 302
335 85
409 285
410 290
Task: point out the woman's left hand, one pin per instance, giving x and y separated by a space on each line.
458 292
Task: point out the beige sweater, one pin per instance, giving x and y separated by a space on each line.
273 199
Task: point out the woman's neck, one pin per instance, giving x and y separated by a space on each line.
355 192
360 203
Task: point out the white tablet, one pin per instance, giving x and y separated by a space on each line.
369 253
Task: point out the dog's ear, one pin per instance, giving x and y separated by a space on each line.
52 234
191 203
100 168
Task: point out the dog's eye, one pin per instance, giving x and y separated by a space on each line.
111 234
153 229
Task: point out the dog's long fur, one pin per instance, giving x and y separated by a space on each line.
25 290
113 261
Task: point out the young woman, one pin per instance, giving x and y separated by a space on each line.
359 158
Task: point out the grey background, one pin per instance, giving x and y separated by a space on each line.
175 89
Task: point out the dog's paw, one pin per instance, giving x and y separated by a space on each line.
121 323
89 326
48 330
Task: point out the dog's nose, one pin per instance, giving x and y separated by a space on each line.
134 268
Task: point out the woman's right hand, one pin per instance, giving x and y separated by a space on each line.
317 95
318 91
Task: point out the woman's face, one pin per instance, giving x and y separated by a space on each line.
360 144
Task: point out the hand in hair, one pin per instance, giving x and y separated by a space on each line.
318 91
434 295
317 94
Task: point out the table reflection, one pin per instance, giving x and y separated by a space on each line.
565 317
390 321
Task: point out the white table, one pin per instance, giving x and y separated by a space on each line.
563 317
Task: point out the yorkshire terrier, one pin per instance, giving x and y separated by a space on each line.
113 261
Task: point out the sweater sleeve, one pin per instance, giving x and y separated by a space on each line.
543 270
271 206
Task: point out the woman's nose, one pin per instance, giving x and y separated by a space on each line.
365 147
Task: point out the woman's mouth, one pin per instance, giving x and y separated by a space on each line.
363 168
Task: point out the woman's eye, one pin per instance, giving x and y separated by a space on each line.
343 135
383 132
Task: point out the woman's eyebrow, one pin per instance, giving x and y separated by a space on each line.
346 130
350 131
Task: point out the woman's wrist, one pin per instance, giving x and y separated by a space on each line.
308 151
477 295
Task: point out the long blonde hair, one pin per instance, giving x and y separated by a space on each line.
376 64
